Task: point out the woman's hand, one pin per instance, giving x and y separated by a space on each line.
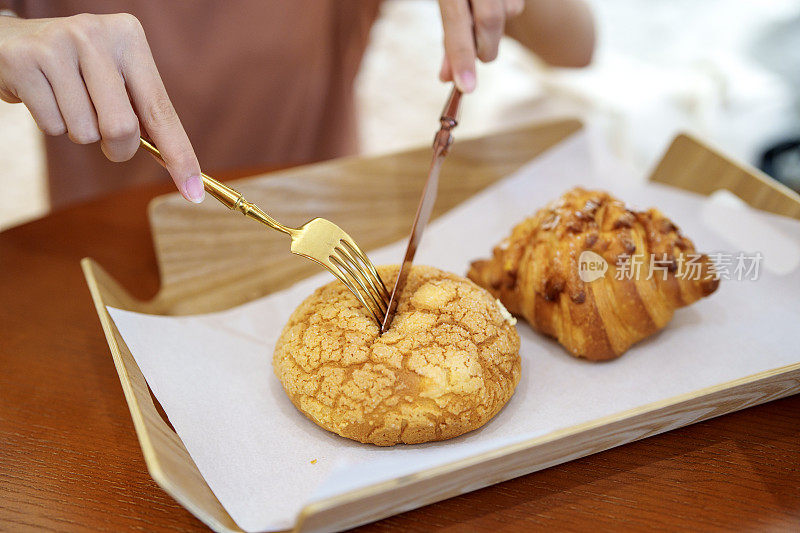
472 29
93 77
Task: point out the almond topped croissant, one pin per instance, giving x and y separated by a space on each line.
594 274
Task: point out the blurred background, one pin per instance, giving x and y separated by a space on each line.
726 70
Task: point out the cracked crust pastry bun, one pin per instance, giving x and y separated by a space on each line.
447 365
637 269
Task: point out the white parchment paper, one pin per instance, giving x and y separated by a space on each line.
265 461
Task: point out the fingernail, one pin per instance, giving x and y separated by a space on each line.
193 188
466 81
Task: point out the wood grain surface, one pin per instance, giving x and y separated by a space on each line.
70 460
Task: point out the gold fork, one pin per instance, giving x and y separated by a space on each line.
319 240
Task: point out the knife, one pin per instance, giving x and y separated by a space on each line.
441 145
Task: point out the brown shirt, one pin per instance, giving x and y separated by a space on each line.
255 82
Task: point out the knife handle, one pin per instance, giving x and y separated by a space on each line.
449 117
449 120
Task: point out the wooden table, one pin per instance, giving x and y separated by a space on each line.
69 458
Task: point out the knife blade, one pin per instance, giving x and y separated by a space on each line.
441 145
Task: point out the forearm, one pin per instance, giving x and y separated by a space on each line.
560 32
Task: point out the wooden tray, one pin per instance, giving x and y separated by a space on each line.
202 271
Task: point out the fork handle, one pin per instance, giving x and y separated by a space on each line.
227 196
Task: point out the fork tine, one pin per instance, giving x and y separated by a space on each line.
353 272
336 271
363 277
355 249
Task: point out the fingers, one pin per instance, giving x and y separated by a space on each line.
472 29
445 72
72 98
117 123
22 81
76 73
490 20
7 95
159 119
514 7
459 42
37 95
